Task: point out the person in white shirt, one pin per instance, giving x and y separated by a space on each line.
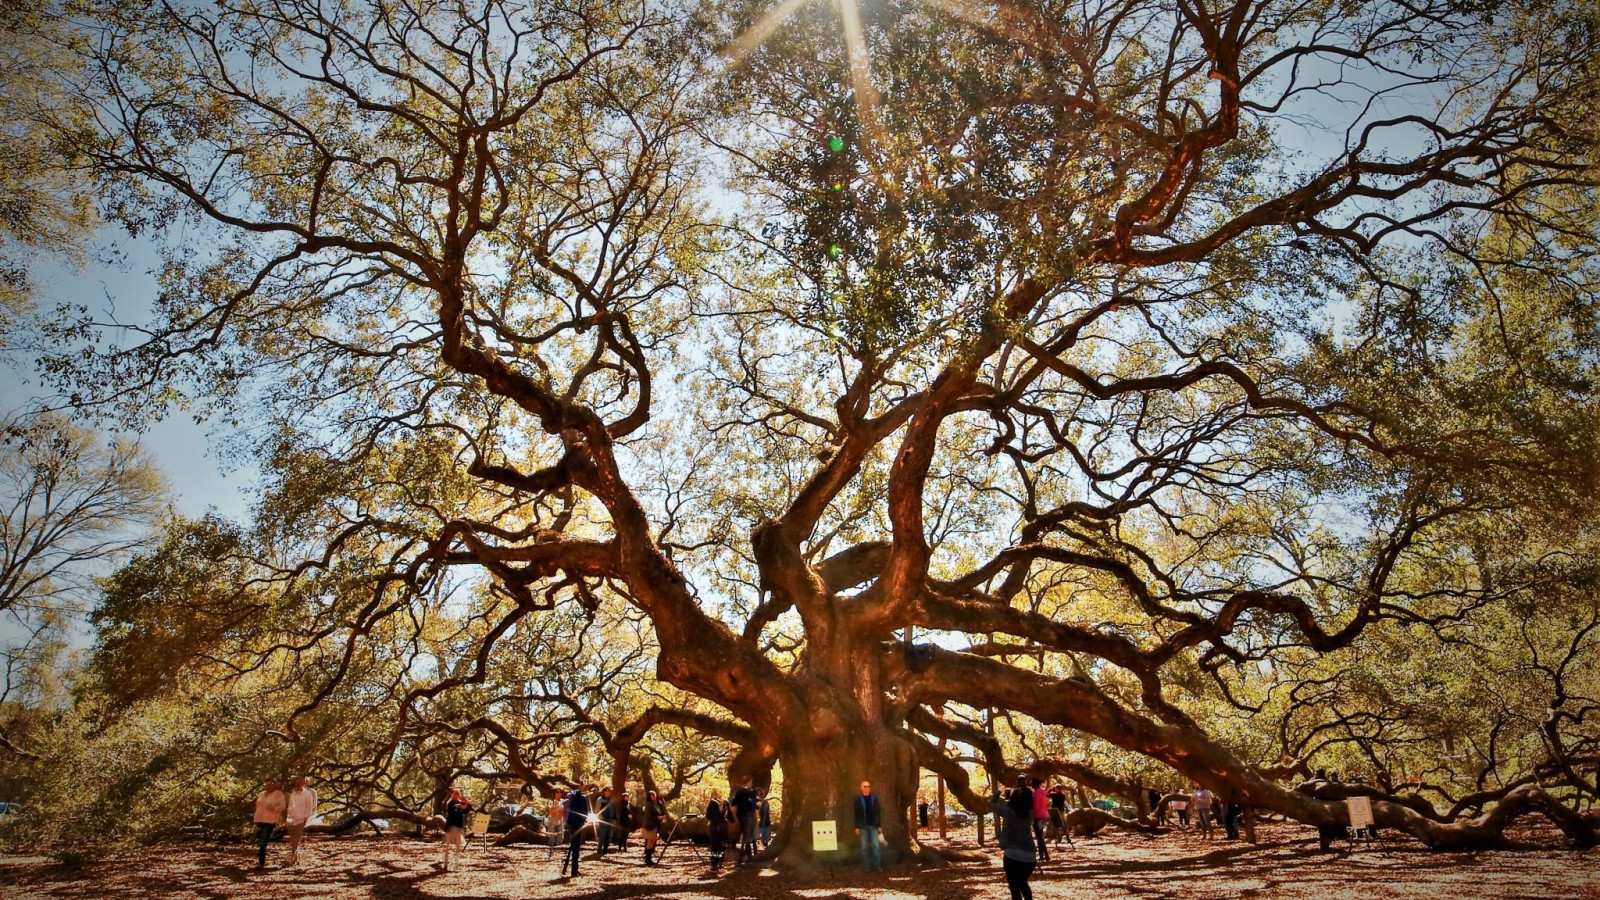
270 807
302 806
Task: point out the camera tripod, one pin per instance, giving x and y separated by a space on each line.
661 848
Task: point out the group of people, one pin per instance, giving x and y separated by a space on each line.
750 812
1204 809
611 814
277 808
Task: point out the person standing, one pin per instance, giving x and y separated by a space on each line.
1200 806
764 820
624 809
922 813
716 832
1041 816
1016 841
1058 810
654 814
608 817
456 807
300 807
271 805
555 822
745 806
869 820
577 817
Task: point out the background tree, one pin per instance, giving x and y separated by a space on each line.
1064 376
44 211
73 506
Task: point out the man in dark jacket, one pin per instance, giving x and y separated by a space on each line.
655 814
869 819
745 803
577 818
608 817
624 809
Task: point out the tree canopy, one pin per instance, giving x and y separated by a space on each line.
1203 392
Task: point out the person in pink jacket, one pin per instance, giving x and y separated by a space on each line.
271 805
1041 816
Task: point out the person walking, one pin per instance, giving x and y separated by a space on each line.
745 806
716 832
654 814
271 805
577 817
298 810
869 821
1016 841
764 820
1041 816
1200 805
456 807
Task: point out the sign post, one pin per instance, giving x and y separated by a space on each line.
825 838
1361 821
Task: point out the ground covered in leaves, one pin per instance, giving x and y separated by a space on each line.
1285 864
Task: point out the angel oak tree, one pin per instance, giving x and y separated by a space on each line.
1105 348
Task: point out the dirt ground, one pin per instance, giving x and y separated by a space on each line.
1285 864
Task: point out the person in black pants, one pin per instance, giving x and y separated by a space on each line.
607 812
577 818
745 805
619 833
1016 840
716 832
270 806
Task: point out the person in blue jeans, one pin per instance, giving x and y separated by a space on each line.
869 820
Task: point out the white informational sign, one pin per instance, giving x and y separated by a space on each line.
824 836
1360 811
